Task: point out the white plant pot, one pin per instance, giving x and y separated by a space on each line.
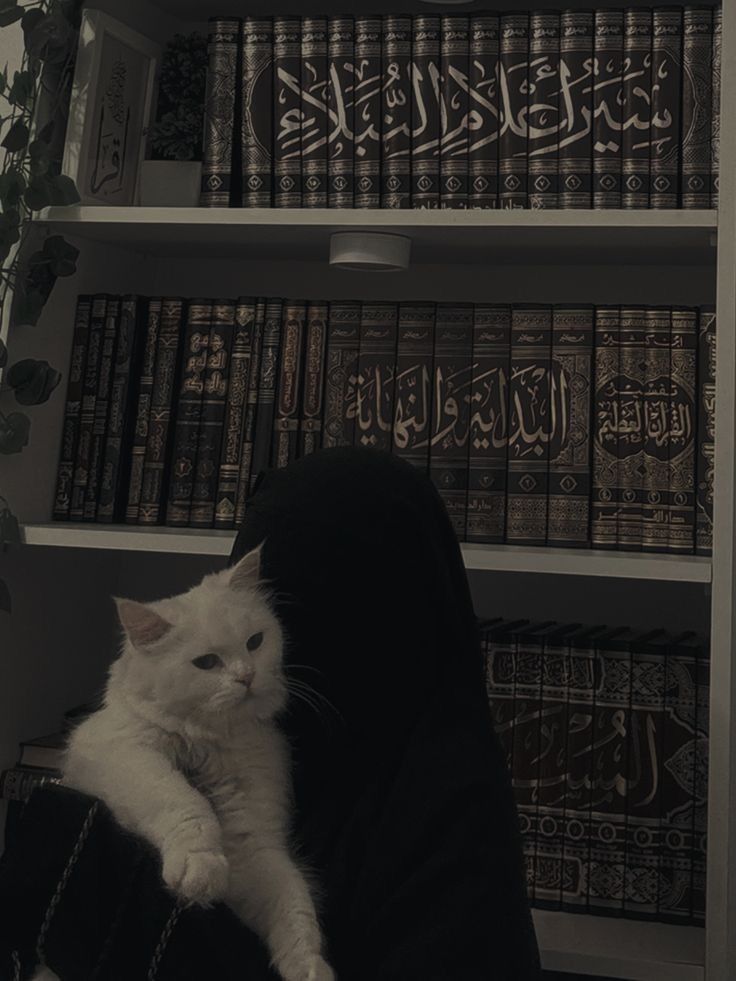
170 183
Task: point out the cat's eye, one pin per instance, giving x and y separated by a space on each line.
207 661
254 642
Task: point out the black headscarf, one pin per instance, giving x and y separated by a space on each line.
403 806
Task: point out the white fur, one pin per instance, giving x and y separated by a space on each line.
193 761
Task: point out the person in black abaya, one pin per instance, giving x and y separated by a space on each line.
402 803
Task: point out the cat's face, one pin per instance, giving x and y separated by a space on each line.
213 651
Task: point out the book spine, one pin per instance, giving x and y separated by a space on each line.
605 428
484 99
683 429
396 109
489 427
543 119
143 409
123 390
374 396
87 410
700 786
212 416
343 333
630 408
706 415
340 121
425 112
249 416
657 482
575 144
512 175
265 414
499 650
715 98
367 102
413 388
286 422
315 348
314 109
607 108
153 489
452 377
18 783
696 107
257 112
72 410
529 425
102 408
287 108
219 112
571 374
188 411
237 391
664 160
454 86
636 108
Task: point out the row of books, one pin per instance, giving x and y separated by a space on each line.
568 425
612 108
606 736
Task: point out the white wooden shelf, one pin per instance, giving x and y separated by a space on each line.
438 236
499 558
628 949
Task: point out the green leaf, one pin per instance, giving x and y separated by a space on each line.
38 194
8 17
63 190
29 306
3 354
31 20
4 597
33 381
10 227
17 136
9 530
14 430
39 153
61 254
7 4
22 88
12 186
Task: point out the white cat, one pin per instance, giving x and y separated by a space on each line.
186 753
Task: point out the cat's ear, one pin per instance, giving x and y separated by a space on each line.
142 624
246 573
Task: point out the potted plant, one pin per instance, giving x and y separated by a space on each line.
172 177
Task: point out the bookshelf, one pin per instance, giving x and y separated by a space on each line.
66 573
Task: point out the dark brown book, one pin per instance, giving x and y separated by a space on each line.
367 124
268 378
257 112
604 428
315 349
374 395
413 389
637 110
160 429
632 380
121 416
287 108
237 393
700 784
83 453
706 415
73 408
715 102
425 111
571 380
455 105
343 332
608 50
697 79
218 187
664 142
512 140
656 406
489 423
249 415
529 425
396 112
288 399
102 407
499 656
543 116
314 109
575 144
452 380
143 408
188 411
340 120
683 429
485 102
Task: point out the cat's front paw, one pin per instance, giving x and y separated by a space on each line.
319 970
199 877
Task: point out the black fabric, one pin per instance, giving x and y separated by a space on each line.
403 806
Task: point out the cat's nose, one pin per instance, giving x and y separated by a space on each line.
246 678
